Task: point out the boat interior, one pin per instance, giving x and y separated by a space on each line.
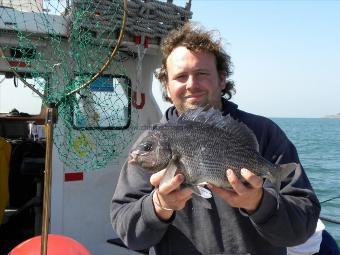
22 161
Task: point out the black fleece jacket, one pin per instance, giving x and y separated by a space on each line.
285 219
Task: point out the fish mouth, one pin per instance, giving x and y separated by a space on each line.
131 161
133 157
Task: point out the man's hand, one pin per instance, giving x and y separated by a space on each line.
168 197
247 197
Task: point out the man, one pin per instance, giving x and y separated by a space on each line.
248 219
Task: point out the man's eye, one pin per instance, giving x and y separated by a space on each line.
147 146
202 73
181 77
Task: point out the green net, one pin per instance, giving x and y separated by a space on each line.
92 124
62 46
57 41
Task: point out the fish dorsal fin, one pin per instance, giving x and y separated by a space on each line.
213 117
193 114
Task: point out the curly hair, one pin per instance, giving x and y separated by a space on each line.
195 39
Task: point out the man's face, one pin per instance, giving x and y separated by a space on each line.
193 79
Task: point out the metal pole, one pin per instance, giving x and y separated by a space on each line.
50 120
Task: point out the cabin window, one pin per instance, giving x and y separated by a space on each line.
105 104
14 94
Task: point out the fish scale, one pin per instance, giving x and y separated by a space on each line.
203 144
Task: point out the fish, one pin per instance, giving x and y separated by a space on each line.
202 144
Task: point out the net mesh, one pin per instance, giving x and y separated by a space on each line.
61 45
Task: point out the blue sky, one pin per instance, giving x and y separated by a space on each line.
286 54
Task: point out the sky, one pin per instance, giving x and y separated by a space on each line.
285 54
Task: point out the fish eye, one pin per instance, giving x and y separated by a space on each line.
147 146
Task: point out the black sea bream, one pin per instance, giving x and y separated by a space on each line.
202 145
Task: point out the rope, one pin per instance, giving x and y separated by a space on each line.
150 18
327 218
331 220
330 199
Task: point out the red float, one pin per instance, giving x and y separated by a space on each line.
56 245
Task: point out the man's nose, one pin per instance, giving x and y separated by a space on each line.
192 82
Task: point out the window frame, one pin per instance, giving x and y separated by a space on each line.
128 121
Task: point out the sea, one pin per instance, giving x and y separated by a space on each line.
317 141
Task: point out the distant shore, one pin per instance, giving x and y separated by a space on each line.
335 116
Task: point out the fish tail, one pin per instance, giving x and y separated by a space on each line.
283 171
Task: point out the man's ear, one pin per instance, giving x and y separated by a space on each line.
167 90
166 93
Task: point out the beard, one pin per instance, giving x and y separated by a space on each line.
183 107
195 98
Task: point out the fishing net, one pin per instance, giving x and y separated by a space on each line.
63 46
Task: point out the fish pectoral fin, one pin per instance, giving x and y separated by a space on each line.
169 172
286 169
201 191
278 176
